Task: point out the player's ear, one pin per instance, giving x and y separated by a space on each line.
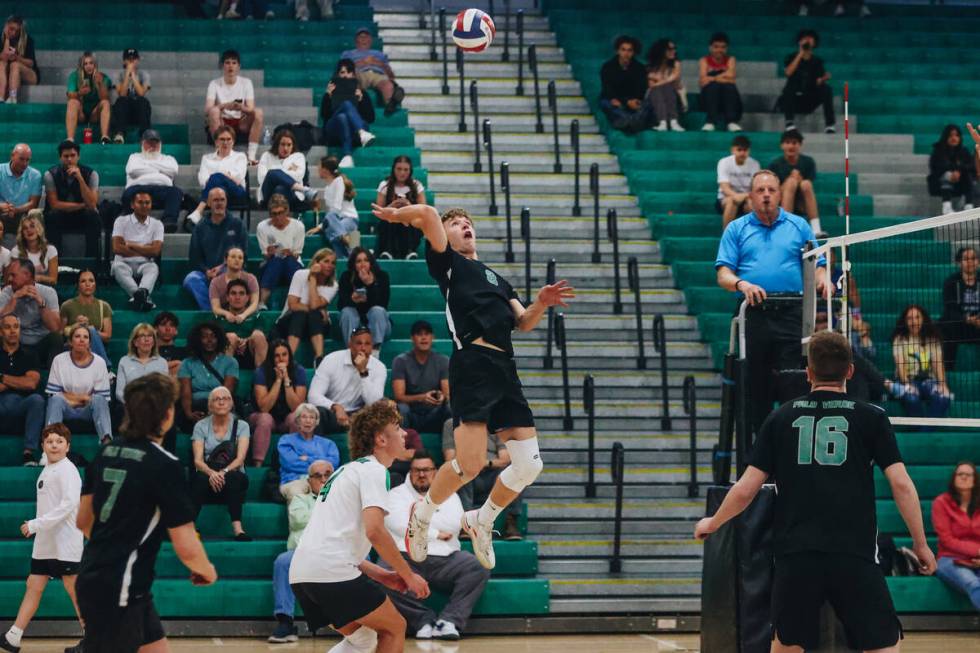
850 372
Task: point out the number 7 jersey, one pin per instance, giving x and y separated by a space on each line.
820 450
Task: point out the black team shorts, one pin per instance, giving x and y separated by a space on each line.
485 388
110 628
338 604
853 586
53 568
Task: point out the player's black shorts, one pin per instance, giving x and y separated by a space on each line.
485 388
338 604
53 568
110 628
853 586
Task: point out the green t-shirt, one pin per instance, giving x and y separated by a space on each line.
96 312
243 330
90 99
806 165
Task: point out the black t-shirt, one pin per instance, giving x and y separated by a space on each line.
19 363
477 299
807 73
173 352
819 450
138 491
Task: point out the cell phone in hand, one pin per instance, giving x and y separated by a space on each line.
361 292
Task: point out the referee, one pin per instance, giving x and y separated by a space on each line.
761 253
819 450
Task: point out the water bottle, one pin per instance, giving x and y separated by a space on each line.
267 136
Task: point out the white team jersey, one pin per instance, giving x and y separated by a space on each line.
334 542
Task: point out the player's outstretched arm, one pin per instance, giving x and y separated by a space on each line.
907 499
380 538
420 216
191 552
554 294
737 500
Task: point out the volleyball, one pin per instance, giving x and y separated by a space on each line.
473 30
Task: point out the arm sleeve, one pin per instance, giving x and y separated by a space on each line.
262 169
333 453
885 451
167 487
299 514
951 300
374 487
212 92
92 475
763 454
941 523
345 292
317 394
723 172
333 196
728 254
168 166
203 171
398 369
121 381
249 89
366 108
288 457
382 293
102 380
55 384
439 263
373 385
117 228
71 489
297 236
262 235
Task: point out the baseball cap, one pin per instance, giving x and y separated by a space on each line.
358 330
362 28
151 135
131 53
420 326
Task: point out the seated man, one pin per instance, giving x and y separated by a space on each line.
72 198
20 375
960 324
131 109
420 383
797 173
151 171
166 324
806 83
36 306
373 70
231 101
88 97
20 187
624 83
137 239
447 567
281 239
735 181
245 336
212 237
347 380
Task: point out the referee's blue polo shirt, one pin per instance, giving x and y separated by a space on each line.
768 256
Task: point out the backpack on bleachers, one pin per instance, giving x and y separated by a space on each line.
306 135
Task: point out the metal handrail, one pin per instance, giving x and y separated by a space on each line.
462 89
633 273
612 230
505 57
526 235
549 362
445 50
561 341
488 144
532 62
475 108
574 131
588 403
594 189
691 409
433 53
553 106
660 346
505 186
617 470
519 91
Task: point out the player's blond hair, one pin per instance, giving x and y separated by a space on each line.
367 423
456 213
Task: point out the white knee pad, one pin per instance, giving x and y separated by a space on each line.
525 464
362 640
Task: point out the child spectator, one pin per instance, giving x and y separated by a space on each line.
952 172
806 83
20 187
339 213
151 171
346 111
281 172
280 387
398 241
33 245
246 341
961 306
230 102
735 181
374 71
72 197
299 449
917 348
281 239
137 240
86 310
797 174
364 294
310 292
205 368
18 63
623 82
78 385
665 88
719 95
956 520
131 109
88 97
224 168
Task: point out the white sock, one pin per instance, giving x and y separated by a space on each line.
488 513
253 149
815 225
426 508
13 94
14 635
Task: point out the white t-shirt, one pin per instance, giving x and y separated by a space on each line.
291 237
334 542
739 176
59 489
300 287
66 376
293 165
401 190
130 229
219 93
235 165
4 260
35 258
334 202
445 519
150 169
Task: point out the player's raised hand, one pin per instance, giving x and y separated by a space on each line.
417 586
927 561
556 294
704 528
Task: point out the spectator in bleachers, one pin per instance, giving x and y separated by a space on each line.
346 111
78 386
339 213
346 381
310 292
245 9
623 82
234 270
143 358
806 83
302 448
281 171
36 306
210 242
33 245
219 445
20 187
365 291
137 240
397 241
374 71
88 93
87 310
131 108
18 62
719 95
281 238
447 567
420 382
280 387
72 197
797 174
167 325
665 96
20 376
151 171
961 306
839 10
246 340
230 102
917 348
303 9
399 469
735 181
952 172
204 368
956 520
224 168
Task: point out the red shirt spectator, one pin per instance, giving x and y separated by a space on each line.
959 533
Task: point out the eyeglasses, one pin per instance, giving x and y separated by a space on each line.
423 470
319 476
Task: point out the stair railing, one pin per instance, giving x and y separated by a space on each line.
488 144
505 186
617 470
505 57
577 207
561 341
660 346
430 7
475 109
553 106
588 403
460 69
532 62
691 409
594 189
612 230
445 50
633 273
526 235
549 362
519 91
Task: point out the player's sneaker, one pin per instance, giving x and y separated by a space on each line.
425 632
445 630
284 633
417 535
482 538
7 646
77 648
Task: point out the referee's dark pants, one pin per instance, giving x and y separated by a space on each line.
772 343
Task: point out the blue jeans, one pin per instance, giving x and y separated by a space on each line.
218 180
98 347
31 408
285 600
962 579
96 411
334 226
169 197
922 398
279 270
377 321
616 115
196 283
279 182
343 125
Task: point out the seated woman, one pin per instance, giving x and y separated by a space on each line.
33 245
952 171
917 348
142 359
310 292
224 168
956 520
20 67
90 312
279 386
281 171
364 294
346 111
339 213
399 189
299 449
665 88
219 445
78 385
205 368
961 312
88 92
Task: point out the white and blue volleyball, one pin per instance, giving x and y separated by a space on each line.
473 30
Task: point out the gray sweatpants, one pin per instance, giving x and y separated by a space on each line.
128 274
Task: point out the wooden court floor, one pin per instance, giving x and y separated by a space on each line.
660 643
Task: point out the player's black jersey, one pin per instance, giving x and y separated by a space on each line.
138 489
477 299
819 451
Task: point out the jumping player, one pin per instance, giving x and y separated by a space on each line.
133 490
329 573
819 450
482 310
